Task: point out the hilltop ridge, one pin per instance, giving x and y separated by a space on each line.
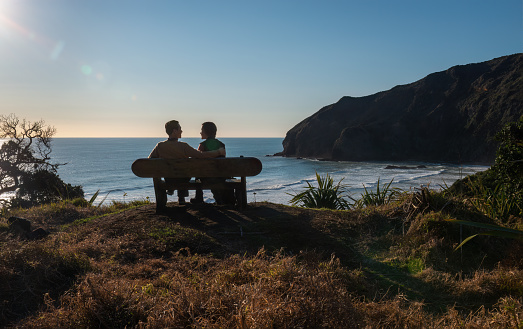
449 116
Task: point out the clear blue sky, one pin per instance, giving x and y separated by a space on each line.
121 68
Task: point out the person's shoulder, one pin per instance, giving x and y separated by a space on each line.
184 144
220 142
214 143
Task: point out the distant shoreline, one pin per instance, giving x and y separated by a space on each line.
409 163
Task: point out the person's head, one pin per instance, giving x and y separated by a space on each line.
172 126
208 130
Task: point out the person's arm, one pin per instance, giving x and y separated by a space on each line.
202 148
154 152
192 153
222 146
214 154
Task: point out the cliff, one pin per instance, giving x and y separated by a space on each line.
449 116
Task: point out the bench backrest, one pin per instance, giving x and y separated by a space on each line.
211 167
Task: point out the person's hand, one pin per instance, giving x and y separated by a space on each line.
221 151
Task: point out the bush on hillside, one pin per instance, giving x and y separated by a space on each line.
42 187
504 178
25 164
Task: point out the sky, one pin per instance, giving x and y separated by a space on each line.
122 68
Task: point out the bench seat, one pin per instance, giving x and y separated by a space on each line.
157 169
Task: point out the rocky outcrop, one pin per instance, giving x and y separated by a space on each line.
449 116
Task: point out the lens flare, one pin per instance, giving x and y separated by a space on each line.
86 69
57 50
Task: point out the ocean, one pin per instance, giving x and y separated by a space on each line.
104 164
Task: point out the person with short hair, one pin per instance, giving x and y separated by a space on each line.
174 149
208 133
210 143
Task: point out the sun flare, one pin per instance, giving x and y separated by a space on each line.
5 6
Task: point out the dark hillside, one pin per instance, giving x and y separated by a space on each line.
448 116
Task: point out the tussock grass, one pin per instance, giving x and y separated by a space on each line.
238 292
399 313
31 273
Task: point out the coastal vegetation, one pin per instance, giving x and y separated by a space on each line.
26 167
390 264
326 195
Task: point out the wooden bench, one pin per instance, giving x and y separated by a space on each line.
202 168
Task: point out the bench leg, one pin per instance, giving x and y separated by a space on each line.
241 195
160 194
238 195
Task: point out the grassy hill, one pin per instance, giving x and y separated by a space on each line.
270 265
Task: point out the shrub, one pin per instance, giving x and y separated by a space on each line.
43 187
498 191
26 164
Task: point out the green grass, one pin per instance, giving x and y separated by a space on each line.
176 237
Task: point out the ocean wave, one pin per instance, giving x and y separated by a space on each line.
281 186
370 181
416 176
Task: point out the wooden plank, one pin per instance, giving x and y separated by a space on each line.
203 186
214 167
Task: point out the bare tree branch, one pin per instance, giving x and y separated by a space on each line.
27 150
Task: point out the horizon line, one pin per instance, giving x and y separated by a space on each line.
162 137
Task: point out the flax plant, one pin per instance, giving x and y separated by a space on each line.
384 194
325 195
498 203
492 230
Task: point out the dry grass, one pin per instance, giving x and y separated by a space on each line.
238 292
270 266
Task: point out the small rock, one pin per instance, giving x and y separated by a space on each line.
18 222
39 233
405 167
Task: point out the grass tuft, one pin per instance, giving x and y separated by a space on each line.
326 195
383 195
